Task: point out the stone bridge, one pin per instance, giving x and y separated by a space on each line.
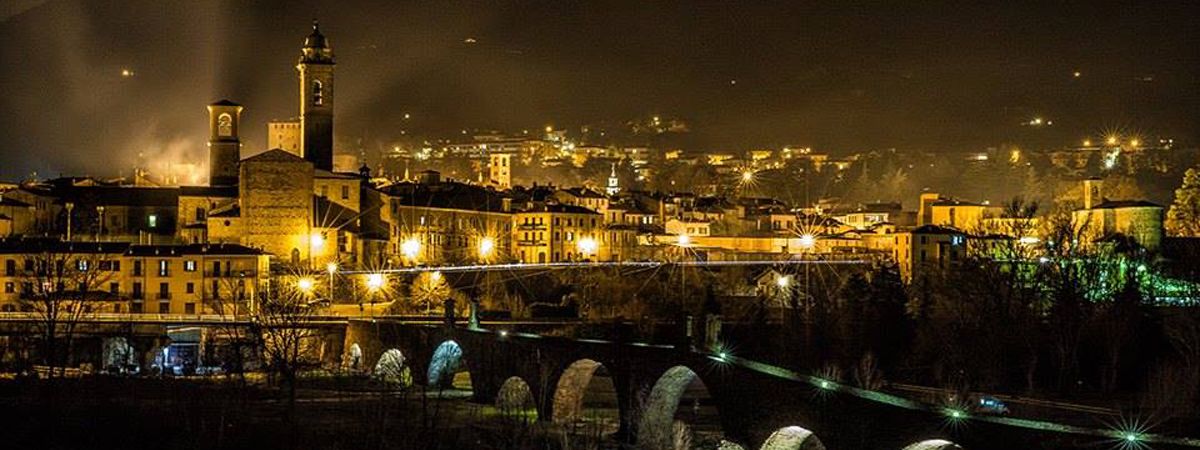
759 406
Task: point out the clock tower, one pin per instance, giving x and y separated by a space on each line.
315 69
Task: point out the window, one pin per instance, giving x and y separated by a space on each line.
191 288
152 221
114 288
189 266
189 308
137 290
164 267
137 268
136 307
82 265
10 268
225 125
164 307
200 214
10 287
116 266
318 92
345 192
216 289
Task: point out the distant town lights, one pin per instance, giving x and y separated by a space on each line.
1111 140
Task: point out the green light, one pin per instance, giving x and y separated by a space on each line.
1141 268
824 384
955 413
722 355
1132 437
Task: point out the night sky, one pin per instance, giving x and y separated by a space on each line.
942 76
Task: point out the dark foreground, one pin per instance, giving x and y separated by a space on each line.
131 414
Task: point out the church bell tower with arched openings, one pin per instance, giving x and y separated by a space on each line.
224 146
316 99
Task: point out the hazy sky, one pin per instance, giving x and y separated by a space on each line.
833 75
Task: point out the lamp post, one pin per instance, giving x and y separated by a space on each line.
70 207
332 268
100 229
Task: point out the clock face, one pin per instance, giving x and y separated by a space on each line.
225 124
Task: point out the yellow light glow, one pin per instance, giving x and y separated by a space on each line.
1111 140
435 277
331 267
783 281
1087 142
411 248
305 284
685 240
748 176
1134 143
375 281
587 245
316 240
807 240
487 246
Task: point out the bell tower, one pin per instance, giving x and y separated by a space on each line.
224 146
315 69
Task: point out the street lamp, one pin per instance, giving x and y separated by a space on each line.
807 240
411 248
375 281
587 246
331 268
783 281
487 246
305 285
684 240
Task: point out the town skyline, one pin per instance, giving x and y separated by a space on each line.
842 101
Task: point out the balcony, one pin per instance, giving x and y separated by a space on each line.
530 242
163 296
531 226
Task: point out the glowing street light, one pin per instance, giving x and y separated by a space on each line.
411 248
305 285
807 240
1134 143
684 240
587 246
375 281
435 277
748 176
783 281
316 240
487 246
1111 140
332 268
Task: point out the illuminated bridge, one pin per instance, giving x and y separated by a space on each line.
760 406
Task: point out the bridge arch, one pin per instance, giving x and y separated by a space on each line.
354 356
447 360
657 426
391 368
515 400
792 438
933 444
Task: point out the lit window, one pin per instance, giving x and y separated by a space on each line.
152 221
189 266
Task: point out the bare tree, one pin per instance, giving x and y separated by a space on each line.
61 287
282 324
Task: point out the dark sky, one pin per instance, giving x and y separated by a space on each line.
834 75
